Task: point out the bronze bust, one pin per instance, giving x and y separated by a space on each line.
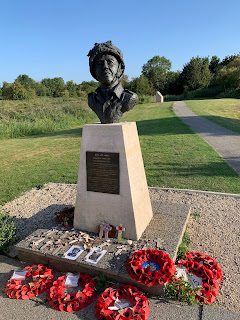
110 100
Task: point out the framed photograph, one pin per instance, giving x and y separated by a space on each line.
95 255
74 252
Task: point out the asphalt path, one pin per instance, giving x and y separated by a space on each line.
222 140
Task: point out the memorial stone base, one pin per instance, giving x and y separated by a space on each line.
112 185
168 224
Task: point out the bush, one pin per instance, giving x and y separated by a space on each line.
7 231
145 99
170 97
234 93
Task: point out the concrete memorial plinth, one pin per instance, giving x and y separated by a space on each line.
112 185
159 97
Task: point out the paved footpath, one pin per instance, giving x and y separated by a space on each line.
224 141
38 308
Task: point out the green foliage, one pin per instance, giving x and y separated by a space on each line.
141 86
72 89
55 86
196 214
103 283
214 64
201 93
228 76
26 81
16 91
145 99
232 93
88 86
196 74
43 115
156 70
7 231
229 59
184 246
173 85
181 290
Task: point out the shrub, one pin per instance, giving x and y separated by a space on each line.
7 231
145 99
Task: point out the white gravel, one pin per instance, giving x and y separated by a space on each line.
216 232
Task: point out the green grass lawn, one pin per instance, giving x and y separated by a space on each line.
173 155
225 112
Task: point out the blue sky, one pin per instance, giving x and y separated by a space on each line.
46 39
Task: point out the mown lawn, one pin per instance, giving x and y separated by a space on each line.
225 112
173 155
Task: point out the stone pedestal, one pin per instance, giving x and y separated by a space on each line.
159 97
113 152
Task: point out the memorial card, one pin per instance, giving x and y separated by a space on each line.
74 252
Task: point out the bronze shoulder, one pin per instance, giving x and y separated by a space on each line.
129 99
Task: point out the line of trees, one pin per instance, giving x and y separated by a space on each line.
200 73
25 87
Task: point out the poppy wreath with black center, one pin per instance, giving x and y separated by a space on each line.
15 289
59 299
146 275
139 309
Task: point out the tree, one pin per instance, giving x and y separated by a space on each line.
228 76
174 84
196 74
71 88
89 86
229 59
16 91
125 81
156 70
56 86
141 86
26 81
214 64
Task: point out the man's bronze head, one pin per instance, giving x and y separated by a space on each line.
106 63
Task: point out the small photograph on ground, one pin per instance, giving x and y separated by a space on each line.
74 252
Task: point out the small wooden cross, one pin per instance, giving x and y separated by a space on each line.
120 249
107 228
101 229
120 230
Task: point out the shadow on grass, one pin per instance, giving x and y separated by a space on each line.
229 123
212 169
145 127
76 132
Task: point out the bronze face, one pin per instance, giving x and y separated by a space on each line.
106 69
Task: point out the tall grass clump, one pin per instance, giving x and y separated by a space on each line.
42 115
145 99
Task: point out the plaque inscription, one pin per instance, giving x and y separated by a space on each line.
103 172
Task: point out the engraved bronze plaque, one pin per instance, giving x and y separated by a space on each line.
103 172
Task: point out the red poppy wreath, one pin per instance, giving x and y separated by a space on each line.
208 270
60 299
151 267
43 277
122 303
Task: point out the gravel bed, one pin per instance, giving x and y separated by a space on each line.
216 232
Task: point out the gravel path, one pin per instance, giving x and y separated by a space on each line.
224 141
216 232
